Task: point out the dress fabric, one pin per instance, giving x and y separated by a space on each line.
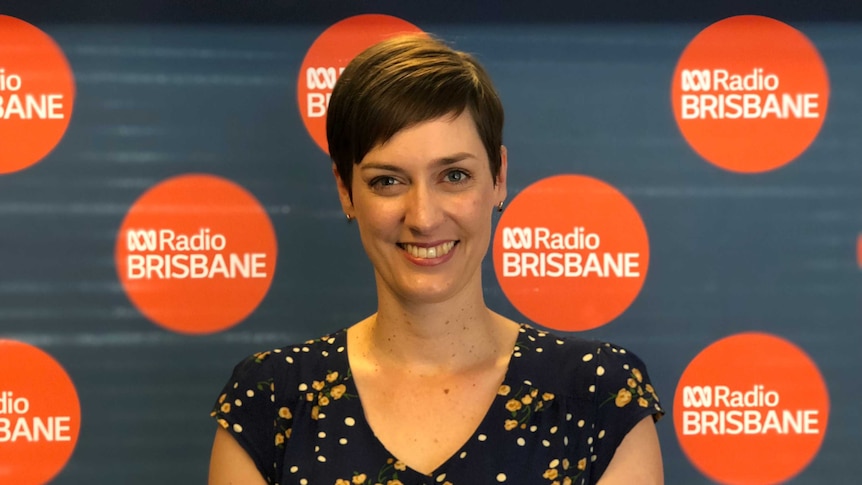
563 408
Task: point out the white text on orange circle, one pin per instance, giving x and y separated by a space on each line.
27 106
320 79
721 94
164 254
29 428
718 410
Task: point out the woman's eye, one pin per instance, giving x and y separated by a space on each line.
381 182
456 176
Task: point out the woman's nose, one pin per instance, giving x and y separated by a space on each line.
423 212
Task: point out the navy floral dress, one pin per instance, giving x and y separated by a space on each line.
563 408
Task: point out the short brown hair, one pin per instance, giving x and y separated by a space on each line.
403 81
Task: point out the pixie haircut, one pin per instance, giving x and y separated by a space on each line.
401 82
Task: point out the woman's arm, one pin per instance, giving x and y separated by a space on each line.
637 459
230 464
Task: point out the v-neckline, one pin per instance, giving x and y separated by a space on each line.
474 435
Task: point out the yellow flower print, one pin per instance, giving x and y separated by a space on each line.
631 383
582 464
566 463
337 391
341 481
225 408
504 390
318 385
400 466
315 412
637 375
222 398
527 400
272 386
513 405
288 432
223 423
534 392
567 481
548 396
323 401
550 473
649 389
279 439
359 479
510 424
284 413
623 397
640 391
309 396
642 402
332 376
394 482
555 482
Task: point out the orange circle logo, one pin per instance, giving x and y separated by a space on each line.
571 252
40 416
751 408
196 254
329 55
37 92
750 93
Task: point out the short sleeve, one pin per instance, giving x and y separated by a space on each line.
247 409
625 396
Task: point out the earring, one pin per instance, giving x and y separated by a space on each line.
349 218
500 206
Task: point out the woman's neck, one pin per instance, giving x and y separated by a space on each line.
435 337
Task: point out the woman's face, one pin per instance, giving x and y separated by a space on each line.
423 202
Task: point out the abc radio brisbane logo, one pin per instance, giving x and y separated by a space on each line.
329 55
751 408
750 93
571 252
37 93
196 254
557 255
40 415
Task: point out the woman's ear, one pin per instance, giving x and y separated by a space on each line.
344 195
500 182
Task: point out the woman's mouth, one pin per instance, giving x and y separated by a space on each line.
428 252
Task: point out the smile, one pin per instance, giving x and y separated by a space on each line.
428 252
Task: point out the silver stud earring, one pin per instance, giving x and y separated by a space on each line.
349 218
500 206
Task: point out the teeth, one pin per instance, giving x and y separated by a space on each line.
429 253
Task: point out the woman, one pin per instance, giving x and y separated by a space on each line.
434 387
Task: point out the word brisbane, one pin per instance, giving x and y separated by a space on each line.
27 106
571 264
750 422
196 266
750 106
29 428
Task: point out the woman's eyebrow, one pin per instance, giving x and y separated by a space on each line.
442 161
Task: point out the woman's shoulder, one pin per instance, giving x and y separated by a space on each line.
569 352
575 365
294 362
